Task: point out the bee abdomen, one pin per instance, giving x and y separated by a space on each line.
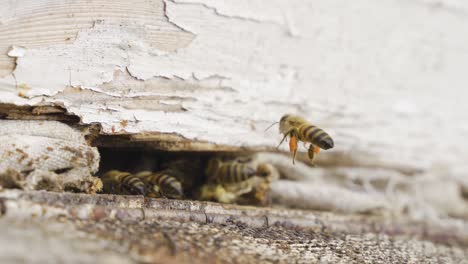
317 136
170 186
234 172
212 168
119 181
133 184
166 180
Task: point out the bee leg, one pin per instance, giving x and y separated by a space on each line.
316 149
293 132
312 153
293 145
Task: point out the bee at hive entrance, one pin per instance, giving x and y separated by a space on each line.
212 176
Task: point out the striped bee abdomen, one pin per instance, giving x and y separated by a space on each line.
168 185
212 168
232 172
133 184
123 182
315 135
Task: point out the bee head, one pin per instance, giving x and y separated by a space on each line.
266 170
263 170
284 124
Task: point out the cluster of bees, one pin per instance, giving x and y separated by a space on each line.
225 178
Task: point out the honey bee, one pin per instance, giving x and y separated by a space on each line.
226 172
297 128
152 190
162 183
235 181
122 182
185 170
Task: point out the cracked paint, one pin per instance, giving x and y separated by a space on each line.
59 24
254 11
370 73
16 51
241 66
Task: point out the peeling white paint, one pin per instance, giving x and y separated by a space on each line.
387 79
16 51
275 12
85 63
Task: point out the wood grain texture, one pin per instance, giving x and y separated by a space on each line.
380 85
148 230
386 80
44 23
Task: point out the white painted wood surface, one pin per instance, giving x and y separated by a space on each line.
387 79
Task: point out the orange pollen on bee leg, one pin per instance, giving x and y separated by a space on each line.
316 149
293 144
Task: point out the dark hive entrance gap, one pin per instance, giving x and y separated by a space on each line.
130 153
134 160
157 153
126 159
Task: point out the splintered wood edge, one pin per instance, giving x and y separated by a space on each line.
144 140
46 112
137 208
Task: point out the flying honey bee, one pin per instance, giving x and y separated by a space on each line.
122 182
162 183
297 128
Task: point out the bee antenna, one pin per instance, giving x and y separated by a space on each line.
271 126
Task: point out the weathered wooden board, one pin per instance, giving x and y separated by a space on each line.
386 79
119 229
